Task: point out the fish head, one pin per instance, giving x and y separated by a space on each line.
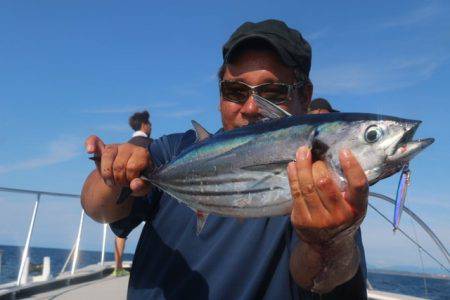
382 145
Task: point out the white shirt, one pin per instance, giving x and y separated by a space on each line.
139 133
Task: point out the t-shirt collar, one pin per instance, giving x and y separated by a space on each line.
139 133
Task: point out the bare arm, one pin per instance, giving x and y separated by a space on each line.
320 268
120 166
325 220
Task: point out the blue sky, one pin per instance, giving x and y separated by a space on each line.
74 68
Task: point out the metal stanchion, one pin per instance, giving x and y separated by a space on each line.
27 243
102 259
77 244
1 253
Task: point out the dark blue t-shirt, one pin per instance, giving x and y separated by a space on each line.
230 259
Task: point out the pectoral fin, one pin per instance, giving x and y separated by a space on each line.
201 221
270 110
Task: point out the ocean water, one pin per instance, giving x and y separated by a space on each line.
432 288
429 288
11 256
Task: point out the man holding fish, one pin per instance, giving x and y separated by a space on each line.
311 249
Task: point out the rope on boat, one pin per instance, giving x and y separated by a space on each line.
421 259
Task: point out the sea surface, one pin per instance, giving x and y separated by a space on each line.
11 256
409 284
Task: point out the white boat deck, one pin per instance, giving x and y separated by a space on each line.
111 288
93 282
115 288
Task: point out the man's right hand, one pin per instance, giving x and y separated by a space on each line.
121 165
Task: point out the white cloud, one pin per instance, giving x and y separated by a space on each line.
182 113
115 110
432 201
195 87
113 127
130 108
163 104
374 76
413 17
60 150
211 78
316 35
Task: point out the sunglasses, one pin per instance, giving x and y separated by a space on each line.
239 92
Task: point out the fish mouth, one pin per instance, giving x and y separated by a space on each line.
402 151
406 148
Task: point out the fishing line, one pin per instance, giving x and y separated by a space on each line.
421 260
418 221
411 239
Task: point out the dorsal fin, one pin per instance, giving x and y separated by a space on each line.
270 110
202 133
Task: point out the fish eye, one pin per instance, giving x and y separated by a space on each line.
373 134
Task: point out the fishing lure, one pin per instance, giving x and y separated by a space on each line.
404 182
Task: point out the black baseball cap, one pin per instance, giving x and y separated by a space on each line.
293 49
321 103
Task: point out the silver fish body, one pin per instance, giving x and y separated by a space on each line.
242 172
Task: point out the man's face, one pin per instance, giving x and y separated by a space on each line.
255 68
319 111
147 128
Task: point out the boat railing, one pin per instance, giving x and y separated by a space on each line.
74 253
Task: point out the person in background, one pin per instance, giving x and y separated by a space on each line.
320 106
142 127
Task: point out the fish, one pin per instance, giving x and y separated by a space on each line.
404 182
242 172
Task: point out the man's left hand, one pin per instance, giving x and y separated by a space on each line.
320 210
